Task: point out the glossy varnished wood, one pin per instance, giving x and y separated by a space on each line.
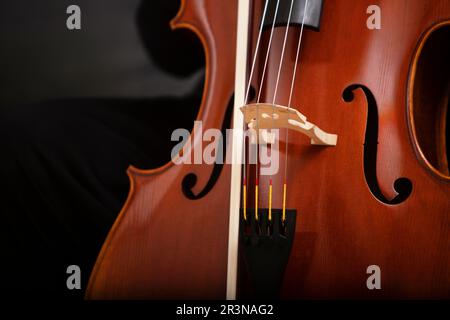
342 228
164 245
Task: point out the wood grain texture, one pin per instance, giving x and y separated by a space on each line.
164 245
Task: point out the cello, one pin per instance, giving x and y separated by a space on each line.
358 119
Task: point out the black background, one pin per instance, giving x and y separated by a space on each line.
76 109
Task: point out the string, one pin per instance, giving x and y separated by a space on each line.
256 52
257 107
282 53
298 54
245 103
289 106
275 94
268 51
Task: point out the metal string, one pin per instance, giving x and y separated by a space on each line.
260 90
257 107
268 51
256 51
292 86
282 52
250 81
298 54
275 96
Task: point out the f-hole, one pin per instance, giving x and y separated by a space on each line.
403 186
190 180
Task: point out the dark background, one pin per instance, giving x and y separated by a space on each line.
124 49
76 109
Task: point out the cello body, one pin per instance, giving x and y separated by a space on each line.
380 198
